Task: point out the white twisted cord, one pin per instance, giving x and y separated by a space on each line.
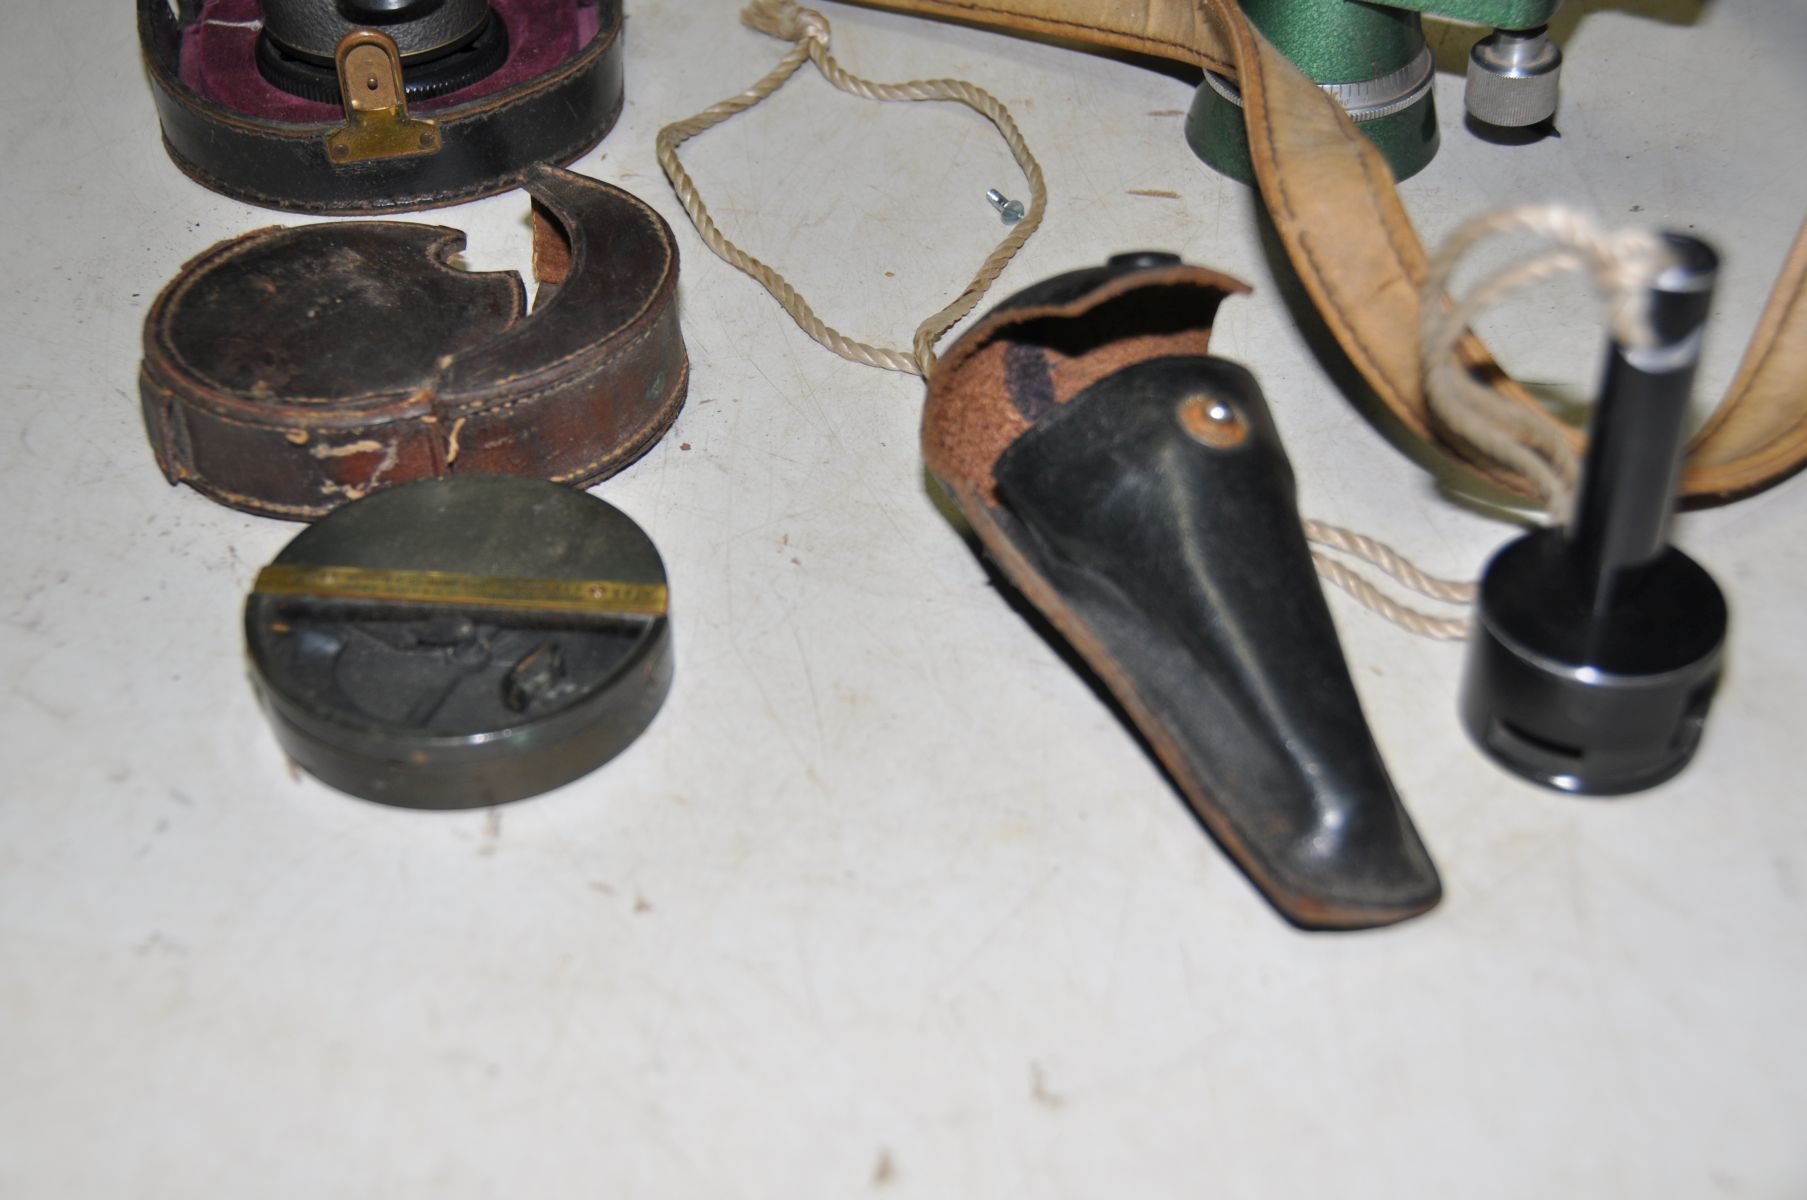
1395 564
1383 605
809 30
1621 266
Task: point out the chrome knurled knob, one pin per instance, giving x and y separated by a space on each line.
1513 77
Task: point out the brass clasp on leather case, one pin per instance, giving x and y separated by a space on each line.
377 124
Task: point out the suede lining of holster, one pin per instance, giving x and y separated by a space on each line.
971 415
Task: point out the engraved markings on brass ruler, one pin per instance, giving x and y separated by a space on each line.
582 597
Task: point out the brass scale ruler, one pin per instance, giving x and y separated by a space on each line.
610 598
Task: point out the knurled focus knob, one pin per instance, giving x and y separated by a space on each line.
1513 76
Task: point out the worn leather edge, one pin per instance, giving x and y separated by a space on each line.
343 452
558 216
1315 169
940 420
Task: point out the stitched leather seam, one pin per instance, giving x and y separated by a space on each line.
252 504
488 185
481 408
647 436
1347 335
663 418
1353 345
407 420
666 282
555 390
1258 80
371 427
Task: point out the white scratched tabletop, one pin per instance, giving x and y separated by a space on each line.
886 902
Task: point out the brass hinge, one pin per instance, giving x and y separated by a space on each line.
377 124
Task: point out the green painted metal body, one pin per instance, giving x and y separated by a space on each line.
1349 41
1500 14
1216 133
1338 41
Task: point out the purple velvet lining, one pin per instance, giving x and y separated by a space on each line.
218 61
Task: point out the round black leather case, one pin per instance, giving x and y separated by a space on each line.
555 95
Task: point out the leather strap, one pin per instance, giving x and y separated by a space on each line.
1336 207
1171 29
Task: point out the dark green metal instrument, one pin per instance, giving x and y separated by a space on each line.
1374 60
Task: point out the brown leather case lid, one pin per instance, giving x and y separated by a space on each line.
290 370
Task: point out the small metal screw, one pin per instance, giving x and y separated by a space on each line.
1010 210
